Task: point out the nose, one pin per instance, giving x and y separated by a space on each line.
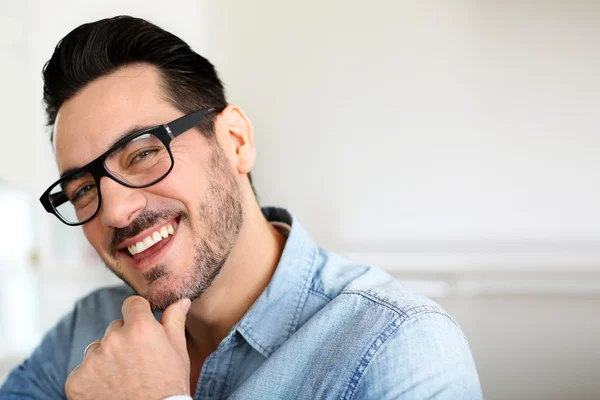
120 204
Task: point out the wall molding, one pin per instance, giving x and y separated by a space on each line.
464 257
501 269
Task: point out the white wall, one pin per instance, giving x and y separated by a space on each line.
453 143
395 122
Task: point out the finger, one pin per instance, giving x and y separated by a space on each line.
114 326
75 384
173 321
136 308
73 371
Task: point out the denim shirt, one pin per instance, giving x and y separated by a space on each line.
324 328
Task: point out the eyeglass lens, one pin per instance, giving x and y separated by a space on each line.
139 162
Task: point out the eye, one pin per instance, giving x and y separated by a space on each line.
142 155
83 191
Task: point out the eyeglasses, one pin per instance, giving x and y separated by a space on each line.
138 160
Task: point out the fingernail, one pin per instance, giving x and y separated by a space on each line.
185 305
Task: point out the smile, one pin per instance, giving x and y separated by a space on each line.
161 233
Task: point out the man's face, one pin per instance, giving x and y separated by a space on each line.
199 201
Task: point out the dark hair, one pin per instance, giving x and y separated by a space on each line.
99 48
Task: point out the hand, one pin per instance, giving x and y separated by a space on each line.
138 358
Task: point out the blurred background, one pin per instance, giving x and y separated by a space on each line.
453 143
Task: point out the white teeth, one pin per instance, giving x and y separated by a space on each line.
175 224
150 241
139 247
164 232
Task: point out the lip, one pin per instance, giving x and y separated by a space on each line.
145 262
143 235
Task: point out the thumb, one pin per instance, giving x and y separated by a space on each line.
173 322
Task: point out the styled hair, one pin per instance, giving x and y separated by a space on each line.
99 48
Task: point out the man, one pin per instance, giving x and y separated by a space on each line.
223 299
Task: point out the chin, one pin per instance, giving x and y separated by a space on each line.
162 288
163 292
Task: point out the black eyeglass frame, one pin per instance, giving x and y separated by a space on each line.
165 133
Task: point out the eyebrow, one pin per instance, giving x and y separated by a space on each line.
72 178
115 143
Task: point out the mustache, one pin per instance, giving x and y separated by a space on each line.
141 223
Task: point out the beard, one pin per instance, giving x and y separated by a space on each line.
220 213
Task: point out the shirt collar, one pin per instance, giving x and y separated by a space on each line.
275 315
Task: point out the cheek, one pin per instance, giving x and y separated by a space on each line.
179 193
186 183
95 236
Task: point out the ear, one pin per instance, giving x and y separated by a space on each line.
241 137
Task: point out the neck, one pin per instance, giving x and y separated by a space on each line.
244 276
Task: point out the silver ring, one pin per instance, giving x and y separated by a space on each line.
97 341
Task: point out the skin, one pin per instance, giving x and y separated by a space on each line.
86 125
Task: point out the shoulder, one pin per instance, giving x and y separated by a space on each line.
340 280
92 314
104 302
406 344
368 300
373 301
44 373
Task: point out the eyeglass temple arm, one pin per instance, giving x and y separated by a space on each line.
58 199
187 122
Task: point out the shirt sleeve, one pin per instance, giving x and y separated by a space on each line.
42 376
427 357
179 397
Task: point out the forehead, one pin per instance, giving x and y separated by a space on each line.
106 108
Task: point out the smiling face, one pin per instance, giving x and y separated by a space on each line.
169 240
